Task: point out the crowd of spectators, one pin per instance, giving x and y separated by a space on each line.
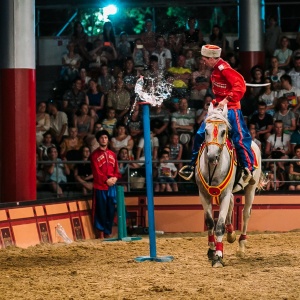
101 76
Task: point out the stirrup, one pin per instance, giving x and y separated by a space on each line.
186 172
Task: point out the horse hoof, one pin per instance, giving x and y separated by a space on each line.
240 254
211 254
217 262
231 237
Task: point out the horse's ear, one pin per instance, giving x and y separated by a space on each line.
210 108
225 111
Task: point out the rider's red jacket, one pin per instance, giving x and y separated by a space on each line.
227 83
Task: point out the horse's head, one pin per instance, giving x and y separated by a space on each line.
216 132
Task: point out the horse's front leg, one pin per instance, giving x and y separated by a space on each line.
231 235
220 230
209 222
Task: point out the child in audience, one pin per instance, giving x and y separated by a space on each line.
167 173
43 147
109 123
190 61
274 184
175 149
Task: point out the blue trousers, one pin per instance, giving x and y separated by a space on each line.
104 210
239 134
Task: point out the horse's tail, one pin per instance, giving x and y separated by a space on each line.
262 182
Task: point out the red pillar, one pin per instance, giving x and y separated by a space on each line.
248 60
251 36
17 101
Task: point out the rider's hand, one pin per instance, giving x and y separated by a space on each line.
223 103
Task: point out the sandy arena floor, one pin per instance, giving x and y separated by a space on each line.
107 270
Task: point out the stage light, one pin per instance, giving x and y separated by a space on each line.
110 10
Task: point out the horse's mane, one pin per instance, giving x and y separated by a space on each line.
217 114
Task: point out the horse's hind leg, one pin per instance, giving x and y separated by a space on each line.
249 196
231 236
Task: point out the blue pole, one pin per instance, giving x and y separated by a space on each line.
149 179
67 24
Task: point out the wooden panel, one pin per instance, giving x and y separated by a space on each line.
73 206
56 208
274 220
131 201
25 240
21 212
277 199
85 205
3 216
39 210
179 220
180 200
87 227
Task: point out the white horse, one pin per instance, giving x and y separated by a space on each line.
215 174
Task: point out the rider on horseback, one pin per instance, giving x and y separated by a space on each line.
229 87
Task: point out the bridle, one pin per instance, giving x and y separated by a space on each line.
214 141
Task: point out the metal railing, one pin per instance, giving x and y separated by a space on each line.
136 177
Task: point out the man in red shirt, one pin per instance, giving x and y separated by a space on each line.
106 173
228 87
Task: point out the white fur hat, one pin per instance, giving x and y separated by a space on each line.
211 51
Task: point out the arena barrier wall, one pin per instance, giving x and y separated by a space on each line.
28 224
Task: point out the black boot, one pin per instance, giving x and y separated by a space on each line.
248 177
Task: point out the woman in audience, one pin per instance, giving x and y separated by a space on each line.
257 75
80 39
129 76
124 48
70 64
83 172
95 100
192 37
56 172
42 122
268 96
274 73
70 146
106 80
119 99
278 144
83 122
272 36
140 55
149 37
284 54
125 166
104 53
121 139
200 81
274 182
217 38
84 79
294 171
109 34
284 114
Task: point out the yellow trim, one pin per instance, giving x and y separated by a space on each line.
224 183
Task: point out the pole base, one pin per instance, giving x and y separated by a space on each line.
124 239
156 259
